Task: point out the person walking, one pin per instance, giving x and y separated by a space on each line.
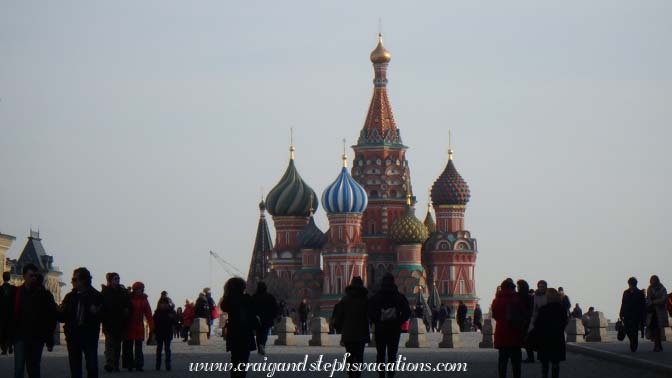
577 312
80 313
187 319
388 309
241 323
164 325
527 301
114 315
549 326
462 316
509 313
351 319
633 312
304 311
132 355
444 313
7 292
178 323
267 309
478 318
33 323
656 317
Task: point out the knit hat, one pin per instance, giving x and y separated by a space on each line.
138 285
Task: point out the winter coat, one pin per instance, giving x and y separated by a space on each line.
241 323
214 313
33 315
538 301
77 314
656 297
478 315
549 327
140 310
7 292
566 303
266 307
633 309
304 310
509 313
116 309
388 297
164 321
461 313
577 313
350 315
188 316
202 309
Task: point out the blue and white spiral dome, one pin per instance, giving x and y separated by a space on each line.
344 195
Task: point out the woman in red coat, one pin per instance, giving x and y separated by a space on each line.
508 312
187 319
135 329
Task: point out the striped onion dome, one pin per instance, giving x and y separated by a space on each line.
408 229
291 196
450 188
311 236
344 195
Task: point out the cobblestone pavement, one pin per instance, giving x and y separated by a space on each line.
480 362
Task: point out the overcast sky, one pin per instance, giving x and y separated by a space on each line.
137 136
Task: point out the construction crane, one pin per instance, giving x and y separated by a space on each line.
229 268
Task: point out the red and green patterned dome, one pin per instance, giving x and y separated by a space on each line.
450 188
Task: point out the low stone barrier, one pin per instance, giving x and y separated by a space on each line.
285 330
417 337
451 334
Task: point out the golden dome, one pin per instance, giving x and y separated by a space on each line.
380 54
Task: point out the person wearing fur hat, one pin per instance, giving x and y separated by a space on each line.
135 331
351 319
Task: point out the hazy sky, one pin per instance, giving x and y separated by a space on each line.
137 135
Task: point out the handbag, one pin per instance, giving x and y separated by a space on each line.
620 330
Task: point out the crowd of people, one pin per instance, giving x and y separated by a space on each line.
533 320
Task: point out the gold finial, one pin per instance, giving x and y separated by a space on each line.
429 200
408 199
291 143
380 54
450 146
344 156
311 204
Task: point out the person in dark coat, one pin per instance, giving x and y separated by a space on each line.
202 308
577 312
509 313
212 307
241 322
115 312
7 292
164 325
33 323
267 309
131 350
462 316
80 313
351 319
388 309
164 295
304 311
179 317
527 300
549 326
656 318
444 313
633 312
478 318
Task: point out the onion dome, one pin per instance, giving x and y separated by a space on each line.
311 236
408 229
291 196
429 220
380 54
344 195
450 188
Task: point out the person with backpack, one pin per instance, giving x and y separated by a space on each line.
509 313
388 309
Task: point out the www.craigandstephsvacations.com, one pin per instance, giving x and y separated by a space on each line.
330 367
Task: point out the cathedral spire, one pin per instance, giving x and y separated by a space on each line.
380 127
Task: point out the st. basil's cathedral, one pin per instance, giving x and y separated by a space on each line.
372 224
